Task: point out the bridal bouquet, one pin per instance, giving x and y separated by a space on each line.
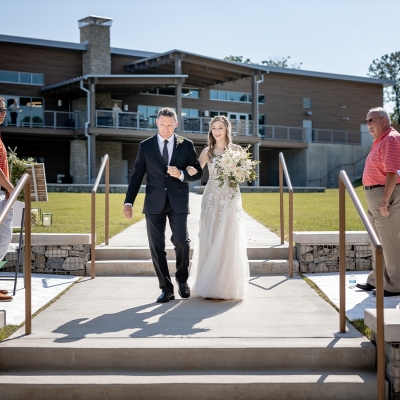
235 166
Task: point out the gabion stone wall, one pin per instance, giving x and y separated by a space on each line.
54 259
325 258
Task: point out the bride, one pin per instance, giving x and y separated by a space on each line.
220 268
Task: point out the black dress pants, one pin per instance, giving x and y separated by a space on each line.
156 224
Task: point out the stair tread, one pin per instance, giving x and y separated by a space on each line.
182 377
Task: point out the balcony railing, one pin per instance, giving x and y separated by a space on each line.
336 136
48 119
133 120
282 133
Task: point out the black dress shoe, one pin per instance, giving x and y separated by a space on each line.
387 294
183 290
365 286
165 297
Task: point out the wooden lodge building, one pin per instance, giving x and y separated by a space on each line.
66 92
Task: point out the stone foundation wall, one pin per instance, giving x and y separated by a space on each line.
325 258
53 259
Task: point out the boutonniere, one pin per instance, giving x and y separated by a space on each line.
179 140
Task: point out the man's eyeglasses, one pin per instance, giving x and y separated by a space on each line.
368 121
3 110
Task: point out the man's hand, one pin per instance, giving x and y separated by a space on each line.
191 170
128 213
384 208
173 171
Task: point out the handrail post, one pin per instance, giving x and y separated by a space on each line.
281 201
342 256
93 237
291 234
107 200
27 273
380 332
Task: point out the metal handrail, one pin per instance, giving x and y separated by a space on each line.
344 183
24 183
283 169
105 165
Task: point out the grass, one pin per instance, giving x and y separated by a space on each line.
311 211
72 213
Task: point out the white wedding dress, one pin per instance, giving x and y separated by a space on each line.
220 268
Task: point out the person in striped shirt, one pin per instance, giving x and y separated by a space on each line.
5 188
381 181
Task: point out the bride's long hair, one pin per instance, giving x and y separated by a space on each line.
212 141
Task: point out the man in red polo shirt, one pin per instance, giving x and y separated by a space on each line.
381 182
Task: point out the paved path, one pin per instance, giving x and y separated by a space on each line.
124 307
257 234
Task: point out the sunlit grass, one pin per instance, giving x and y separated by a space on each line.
311 211
71 213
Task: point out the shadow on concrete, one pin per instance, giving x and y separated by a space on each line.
149 320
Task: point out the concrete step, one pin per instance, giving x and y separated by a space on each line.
278 252
145 267
272 384
187 354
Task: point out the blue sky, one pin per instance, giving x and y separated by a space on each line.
329 36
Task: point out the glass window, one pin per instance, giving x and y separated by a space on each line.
194 113
168 91
223 95
7 76
213 95
261 98
185 112
25 78
213 114
261 119
190 93
142 109
37 79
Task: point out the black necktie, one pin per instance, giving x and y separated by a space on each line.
165 152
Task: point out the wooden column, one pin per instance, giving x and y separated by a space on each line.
254 102
178 92
93 169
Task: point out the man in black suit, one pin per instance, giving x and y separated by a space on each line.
164 158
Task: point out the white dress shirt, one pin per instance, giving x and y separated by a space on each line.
170 148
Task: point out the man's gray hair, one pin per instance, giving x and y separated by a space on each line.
167 112
382 112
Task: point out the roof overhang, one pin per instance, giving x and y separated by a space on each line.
117 83
202 71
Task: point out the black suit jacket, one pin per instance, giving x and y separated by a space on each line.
149 161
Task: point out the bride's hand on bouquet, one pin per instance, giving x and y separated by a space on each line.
191 170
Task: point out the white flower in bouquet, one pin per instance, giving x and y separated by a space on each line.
235 166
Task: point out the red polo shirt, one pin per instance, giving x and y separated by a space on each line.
384 157
3 159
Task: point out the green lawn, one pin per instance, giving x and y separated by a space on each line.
311 211
71 213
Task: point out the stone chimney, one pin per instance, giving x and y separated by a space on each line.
96 32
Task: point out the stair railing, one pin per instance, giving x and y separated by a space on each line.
283 170
344 183
105 166
24 184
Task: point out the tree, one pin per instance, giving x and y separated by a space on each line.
238 59
282 62
388 67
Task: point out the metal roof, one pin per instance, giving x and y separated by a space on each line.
146 56
71 46
110 76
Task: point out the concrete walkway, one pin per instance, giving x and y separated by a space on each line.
257 234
